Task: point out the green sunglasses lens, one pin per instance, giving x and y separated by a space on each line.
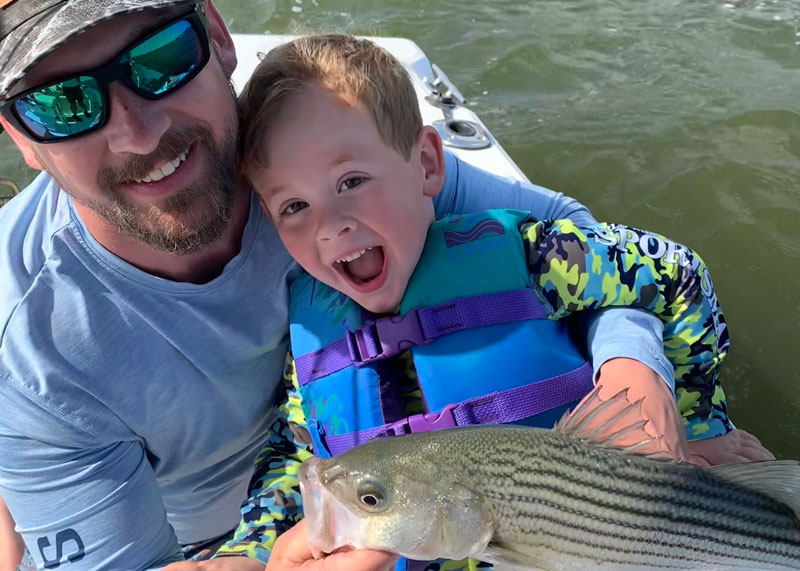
62 109
162 62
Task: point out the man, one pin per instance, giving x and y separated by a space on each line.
143 297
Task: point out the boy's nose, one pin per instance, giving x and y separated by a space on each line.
333 226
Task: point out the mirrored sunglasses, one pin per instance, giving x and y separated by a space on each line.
153 67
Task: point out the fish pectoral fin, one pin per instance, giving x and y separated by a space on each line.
616 422
507 559
778 479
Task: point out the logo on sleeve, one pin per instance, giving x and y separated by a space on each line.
67 540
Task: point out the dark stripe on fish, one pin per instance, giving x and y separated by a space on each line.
651 503
675 539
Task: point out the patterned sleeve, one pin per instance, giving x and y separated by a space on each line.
607 265
274 505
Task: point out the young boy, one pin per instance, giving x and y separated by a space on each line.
405 324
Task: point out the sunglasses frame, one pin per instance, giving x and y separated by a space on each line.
105 74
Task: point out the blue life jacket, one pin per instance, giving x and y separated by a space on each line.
481 342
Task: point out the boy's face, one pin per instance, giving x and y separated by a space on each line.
349 207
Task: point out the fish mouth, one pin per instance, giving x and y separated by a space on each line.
314 509
330 524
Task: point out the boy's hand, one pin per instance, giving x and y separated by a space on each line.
736 446
657 407
291 552
232 563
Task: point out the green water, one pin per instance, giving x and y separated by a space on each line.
677 115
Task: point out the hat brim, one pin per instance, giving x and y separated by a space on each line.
29 43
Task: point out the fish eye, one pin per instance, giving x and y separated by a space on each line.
371 495
370 500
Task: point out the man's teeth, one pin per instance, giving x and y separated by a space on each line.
353 256
166 170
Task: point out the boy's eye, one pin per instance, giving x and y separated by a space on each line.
294 207
351 183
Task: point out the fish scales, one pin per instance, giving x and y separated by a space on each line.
617 503
642 491
651 487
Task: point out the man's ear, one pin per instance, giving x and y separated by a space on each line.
24 145
431 158
221 40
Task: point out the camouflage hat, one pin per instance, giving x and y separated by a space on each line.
31 29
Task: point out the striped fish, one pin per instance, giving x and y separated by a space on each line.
526 498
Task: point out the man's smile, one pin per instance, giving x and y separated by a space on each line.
164 170
172 176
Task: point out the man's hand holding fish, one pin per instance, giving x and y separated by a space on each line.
292 552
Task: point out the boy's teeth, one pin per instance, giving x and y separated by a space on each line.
353 256
164 171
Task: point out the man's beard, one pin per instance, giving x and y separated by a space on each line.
191 219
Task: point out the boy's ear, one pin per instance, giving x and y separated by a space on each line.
221 40
24 145
431 158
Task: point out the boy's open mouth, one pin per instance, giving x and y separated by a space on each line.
363 266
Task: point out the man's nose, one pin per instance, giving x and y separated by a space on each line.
135 125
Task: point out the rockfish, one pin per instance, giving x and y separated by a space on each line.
529 498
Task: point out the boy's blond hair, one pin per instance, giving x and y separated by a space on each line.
356 69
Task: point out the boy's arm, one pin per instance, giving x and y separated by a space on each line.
610 265
470 189
611 333
274 505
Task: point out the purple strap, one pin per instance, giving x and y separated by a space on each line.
389 336
507 406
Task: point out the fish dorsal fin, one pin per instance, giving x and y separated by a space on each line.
778 479
613 423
